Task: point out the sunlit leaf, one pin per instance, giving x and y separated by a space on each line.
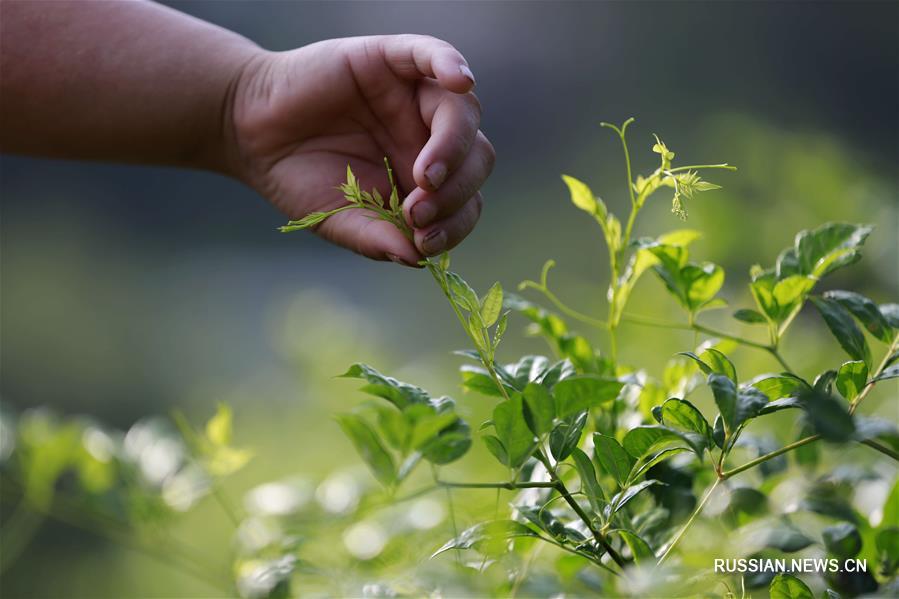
583 392
851 379
539 408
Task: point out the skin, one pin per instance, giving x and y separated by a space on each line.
139 82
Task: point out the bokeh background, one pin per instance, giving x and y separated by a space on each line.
127 291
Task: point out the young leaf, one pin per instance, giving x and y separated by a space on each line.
486 533
565 436
589 486
462 292
749 316
579 393
398 393
539 410
787 586
583 198
829 247
701 282
475 378
851 379
681 414
640 549
865 311
623 497
492 305
736 406
218 428
843 328
513 431
779 386
641 440
612 457
369 447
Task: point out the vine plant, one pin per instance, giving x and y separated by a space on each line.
540 429
602 457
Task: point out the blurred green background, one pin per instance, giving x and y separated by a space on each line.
127 291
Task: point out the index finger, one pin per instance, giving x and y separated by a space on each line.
418 56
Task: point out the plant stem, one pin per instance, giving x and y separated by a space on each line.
566 310
563 491
689 522
764 458
511 486
881 448
691 167
870 384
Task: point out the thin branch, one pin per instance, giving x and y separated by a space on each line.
689 522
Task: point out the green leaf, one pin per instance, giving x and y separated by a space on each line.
843 328
828 416
852 378
583 198
475 378
749 316
539 409
701 282
451 444
612 457
492 305
463 294
641 440
369 447
578 393
713 361
779 386
589 486
650 460
736 407
398 393
496 533
787 586
513 431
565 436
495 446
683 415
829 247
888 373
640 549
842 540
625 496
865 311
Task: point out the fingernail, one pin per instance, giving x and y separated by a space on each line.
467 72
434 242
398 260
423 213
435 174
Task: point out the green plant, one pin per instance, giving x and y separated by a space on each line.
584 488
616 479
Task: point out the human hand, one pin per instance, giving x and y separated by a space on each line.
299 117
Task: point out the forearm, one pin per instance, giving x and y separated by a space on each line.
121 80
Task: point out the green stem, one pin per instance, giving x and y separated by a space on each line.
764 458
563 491
877 373
881 448
693 167
566 310
511 486
689 522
